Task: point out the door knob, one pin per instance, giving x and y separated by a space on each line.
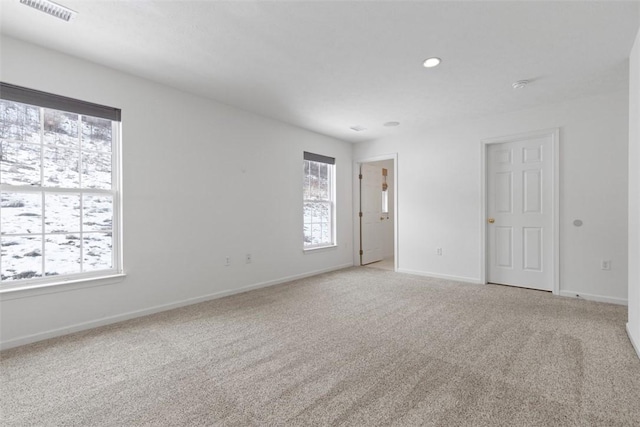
491 220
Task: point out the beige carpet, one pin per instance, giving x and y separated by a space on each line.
356 347
385 264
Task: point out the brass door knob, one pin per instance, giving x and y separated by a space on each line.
491 220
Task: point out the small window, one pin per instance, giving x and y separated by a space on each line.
59 188
385 202
318 201
385 193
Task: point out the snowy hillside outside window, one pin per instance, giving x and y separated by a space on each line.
319 201
59 189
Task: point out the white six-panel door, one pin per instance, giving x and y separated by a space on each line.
520 213
371 219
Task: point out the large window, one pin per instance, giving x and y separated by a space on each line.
319 201
59 188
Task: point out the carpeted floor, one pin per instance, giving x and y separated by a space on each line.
385 264
359 347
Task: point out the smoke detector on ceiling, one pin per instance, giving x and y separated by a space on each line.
520 84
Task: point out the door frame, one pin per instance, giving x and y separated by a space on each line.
356 206
555 199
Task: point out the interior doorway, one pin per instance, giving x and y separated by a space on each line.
376 214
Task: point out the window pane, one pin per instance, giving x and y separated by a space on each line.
96 134
20 122
326 232
61 167
21 213
96 170
313 177
21 257
323 181
385 202
308 212
19 163
307 234
98 212
60 128
97 251
324 212
316 234
307 181
62 213
62 254
319 211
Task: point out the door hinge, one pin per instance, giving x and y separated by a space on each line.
360 214
361 252
360 176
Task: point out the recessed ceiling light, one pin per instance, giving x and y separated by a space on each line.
431 62
520 84
51 8
358 128
391 124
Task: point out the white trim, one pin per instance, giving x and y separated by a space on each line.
473 280
591 297
28 339
318 248
356 206
555 188
37 289
635 344
117 233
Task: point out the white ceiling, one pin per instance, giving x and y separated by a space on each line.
330 65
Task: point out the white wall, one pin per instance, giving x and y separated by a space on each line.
387 224
202 181
633 327
439 178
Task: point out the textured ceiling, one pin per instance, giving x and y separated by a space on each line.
327 66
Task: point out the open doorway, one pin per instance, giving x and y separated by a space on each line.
376 214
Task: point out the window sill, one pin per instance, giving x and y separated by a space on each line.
36 289
319 249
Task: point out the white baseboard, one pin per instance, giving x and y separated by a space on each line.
635 343
590 297
52 333
441 276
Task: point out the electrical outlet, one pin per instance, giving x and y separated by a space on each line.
227 262
248 258
605 265
438 251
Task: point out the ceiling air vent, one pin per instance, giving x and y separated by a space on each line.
51 8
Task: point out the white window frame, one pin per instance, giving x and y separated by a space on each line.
331 175
98 276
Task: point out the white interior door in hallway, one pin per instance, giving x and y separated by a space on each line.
521 212
371 214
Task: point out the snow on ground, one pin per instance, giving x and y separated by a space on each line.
45 233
